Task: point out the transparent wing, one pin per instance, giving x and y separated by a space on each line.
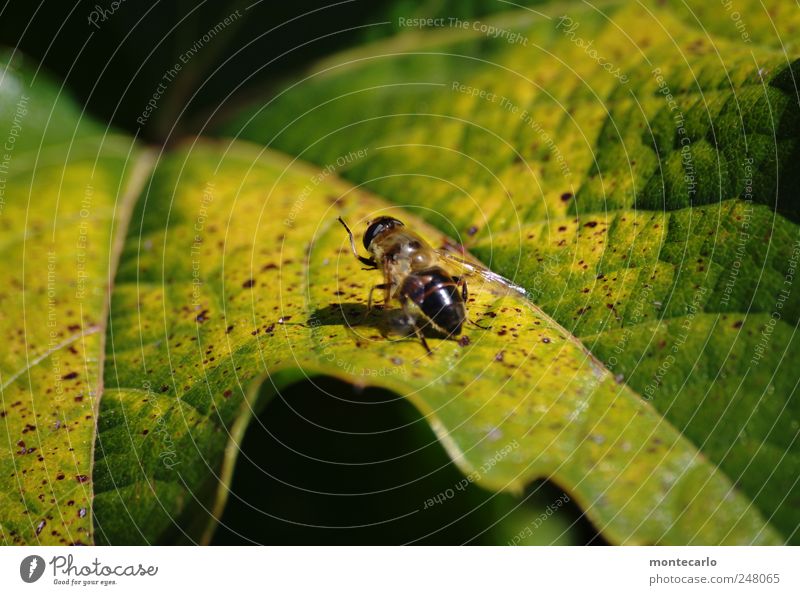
461 266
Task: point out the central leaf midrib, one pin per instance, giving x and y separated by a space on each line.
141 170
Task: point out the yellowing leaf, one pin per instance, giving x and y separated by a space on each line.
654 217
622 185
247 273
59 207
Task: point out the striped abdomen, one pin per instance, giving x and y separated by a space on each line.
437 296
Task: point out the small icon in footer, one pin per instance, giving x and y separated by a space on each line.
31 568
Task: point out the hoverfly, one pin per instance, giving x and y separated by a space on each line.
414 275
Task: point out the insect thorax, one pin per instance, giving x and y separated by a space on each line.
404 252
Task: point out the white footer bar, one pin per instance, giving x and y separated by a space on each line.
395 570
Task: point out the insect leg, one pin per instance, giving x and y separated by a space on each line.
412 320
371 291
367 261
486 328
421 337
465 296
463 283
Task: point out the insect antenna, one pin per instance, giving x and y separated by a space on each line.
367 261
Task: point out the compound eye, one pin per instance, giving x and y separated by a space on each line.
377 227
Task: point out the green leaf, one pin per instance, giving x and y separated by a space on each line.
655 218
246 273
66 185
639 378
